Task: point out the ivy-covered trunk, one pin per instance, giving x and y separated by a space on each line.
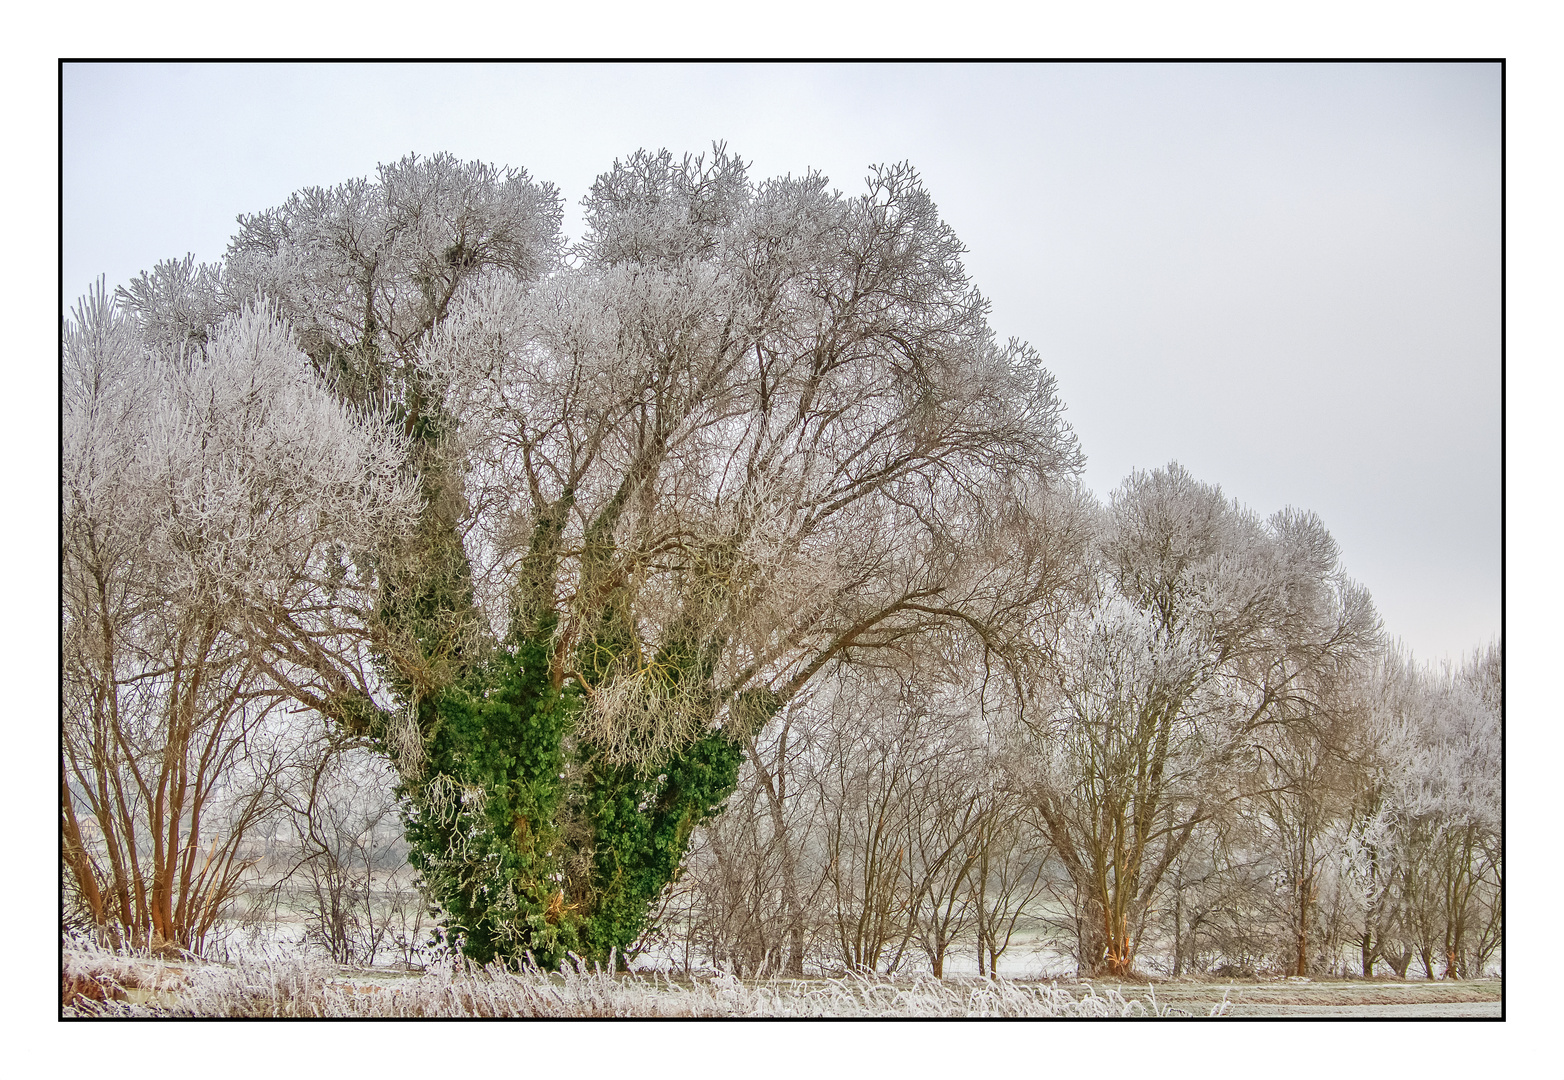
528 839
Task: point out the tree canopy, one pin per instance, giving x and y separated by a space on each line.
739 433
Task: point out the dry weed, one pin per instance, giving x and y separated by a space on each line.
297 988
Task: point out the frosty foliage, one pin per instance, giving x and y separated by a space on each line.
177 304
784 408
381 261
1424 856
212 489
1447 761
231 462
1206 639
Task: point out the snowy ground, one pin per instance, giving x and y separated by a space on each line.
1436 1010
1387 999
265 984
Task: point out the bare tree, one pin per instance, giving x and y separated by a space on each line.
1303 787
870 764
753 871
350 857
774 761
1205 622
903 792
946 835
1008 873
1216 889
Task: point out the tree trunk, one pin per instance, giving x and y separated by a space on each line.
1305 897
1119 954
776 792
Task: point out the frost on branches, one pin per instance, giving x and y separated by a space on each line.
737 497
739 434
219 507
1208 639
1426 858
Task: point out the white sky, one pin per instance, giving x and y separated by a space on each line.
1285 277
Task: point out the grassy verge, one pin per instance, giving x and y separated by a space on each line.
100 985
97 984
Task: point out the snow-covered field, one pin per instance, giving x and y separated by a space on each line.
259 984
101 985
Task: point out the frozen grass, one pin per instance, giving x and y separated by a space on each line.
100 984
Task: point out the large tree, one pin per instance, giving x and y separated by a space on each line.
740 433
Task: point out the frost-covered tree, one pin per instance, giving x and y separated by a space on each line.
1418 864
744 432
1207 633
1307 762
1443 807
212 488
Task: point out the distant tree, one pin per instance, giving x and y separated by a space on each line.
1207 627
346 862
1445 808
950 824
1008 873
1214 897
754 871
901 801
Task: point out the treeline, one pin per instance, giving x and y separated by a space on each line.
896 828
717 585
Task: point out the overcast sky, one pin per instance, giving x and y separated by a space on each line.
1285 277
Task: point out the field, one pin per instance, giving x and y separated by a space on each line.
1383 998
99 984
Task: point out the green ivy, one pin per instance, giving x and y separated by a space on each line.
481 814
643 831
487 818
527 840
